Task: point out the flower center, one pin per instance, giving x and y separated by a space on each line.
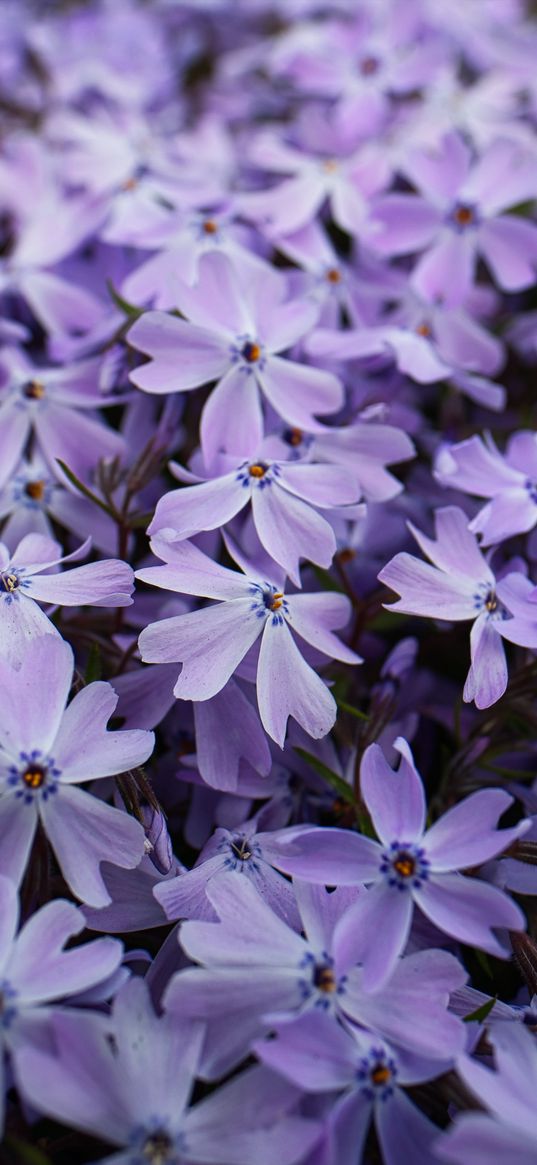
380 1074
157 1148
258 470
35 490
9 582
274 600
404 866
491 602
333 275
35 776
33 390
241 849
330 165
424 329
210 227
251 351
324 979
368 66
464 216
293 437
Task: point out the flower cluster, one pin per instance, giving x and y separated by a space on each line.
268 822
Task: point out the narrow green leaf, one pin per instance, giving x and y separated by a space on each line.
351 710
326 580
336 782
128 309
93 666
84 489
480 1014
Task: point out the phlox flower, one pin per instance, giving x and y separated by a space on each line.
370 1077
212 642
235 327
285 499
255 966
26 580
410 865
45 750
458 216
461 586
37 972
130 1082
510 482
507 1092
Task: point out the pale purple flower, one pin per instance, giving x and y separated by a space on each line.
26 580
320 1056
46 750
212 642
44 403
246 852
459 215
37 972
346 180
410 865
461 586
255 966
236 326
285 498
510 482
133 1090
507 1091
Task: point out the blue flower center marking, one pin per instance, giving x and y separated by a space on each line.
531 487
8 1009
269 600
257 473
35 776
404 866
376 1075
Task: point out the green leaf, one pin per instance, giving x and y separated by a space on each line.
326 580
84 489
351 710
26 1154
128 309
484 962
93 666
480 1014
336 782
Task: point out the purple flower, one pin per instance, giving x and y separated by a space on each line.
410 866
461 586
256 966
25 577
509 1133
459 216
45 403
285 499
477 467
210 643
45 750
129 1083
320 1056
239 324
246 852
36 971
